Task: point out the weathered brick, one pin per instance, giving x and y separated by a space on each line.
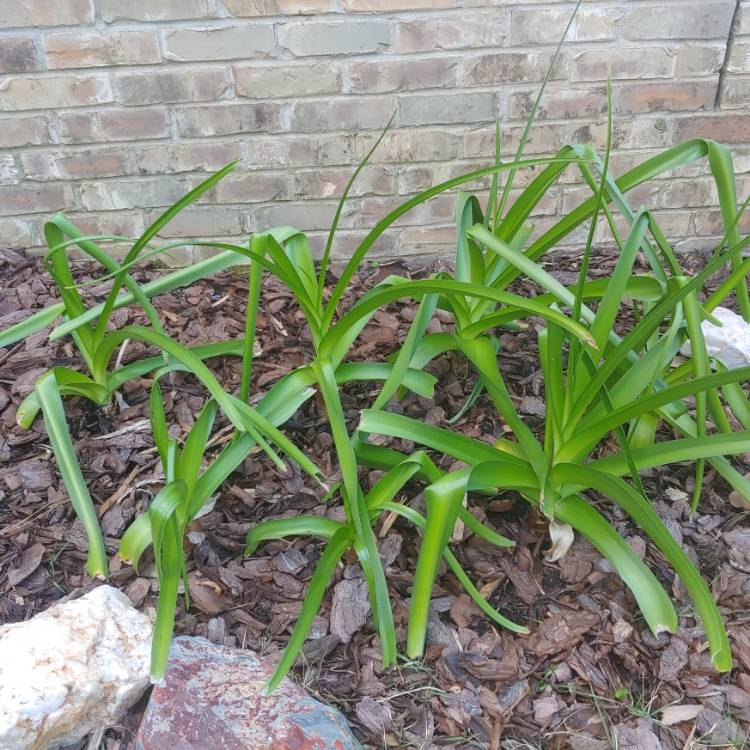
545 25
734 93
625 62
164 10
512 67
194 85
132 124
402 75
253 8
54 92
724 128
45 13
126 223
560 102
8 169
428 240
696 60
263 152
34 199
348 113
440 209
18 55
108 161
452 32
228 43
330 183
17 233
739 58
201 221
250 187
654 131
225 119
710 223
743 18
383 6
314 37
410 146
118 194
32 130
184 157
665 97
434 109
304 216
319 150
696 20
84 50
258 82
413 178
688 193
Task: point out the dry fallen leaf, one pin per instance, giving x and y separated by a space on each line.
677 714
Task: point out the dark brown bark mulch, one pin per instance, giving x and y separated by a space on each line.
589 676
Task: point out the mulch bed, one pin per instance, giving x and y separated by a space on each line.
589 676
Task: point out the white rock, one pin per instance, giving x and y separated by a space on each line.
729 342
71 670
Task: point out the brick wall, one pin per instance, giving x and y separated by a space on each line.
110 109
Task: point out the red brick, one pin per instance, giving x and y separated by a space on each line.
25 199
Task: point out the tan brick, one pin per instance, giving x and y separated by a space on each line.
330 183
237 42
710 223
314 37
433 109
686 20
696 60
263 152
225 119
688 193
26 199
8 169
250 187
664 97
127 125
319 150
413 178
84 50
126 223
31 130
410 146
163 10
120 194
348 113
734 93
108 161
45 13
261 82
724 128
304 216
167 86
383 6
429 240
18 55
739 58
253 8
201 221
54 92
512 67
451 32
184 157
559 102
17 233
439 210
743 18
545 25
402 75
625 62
